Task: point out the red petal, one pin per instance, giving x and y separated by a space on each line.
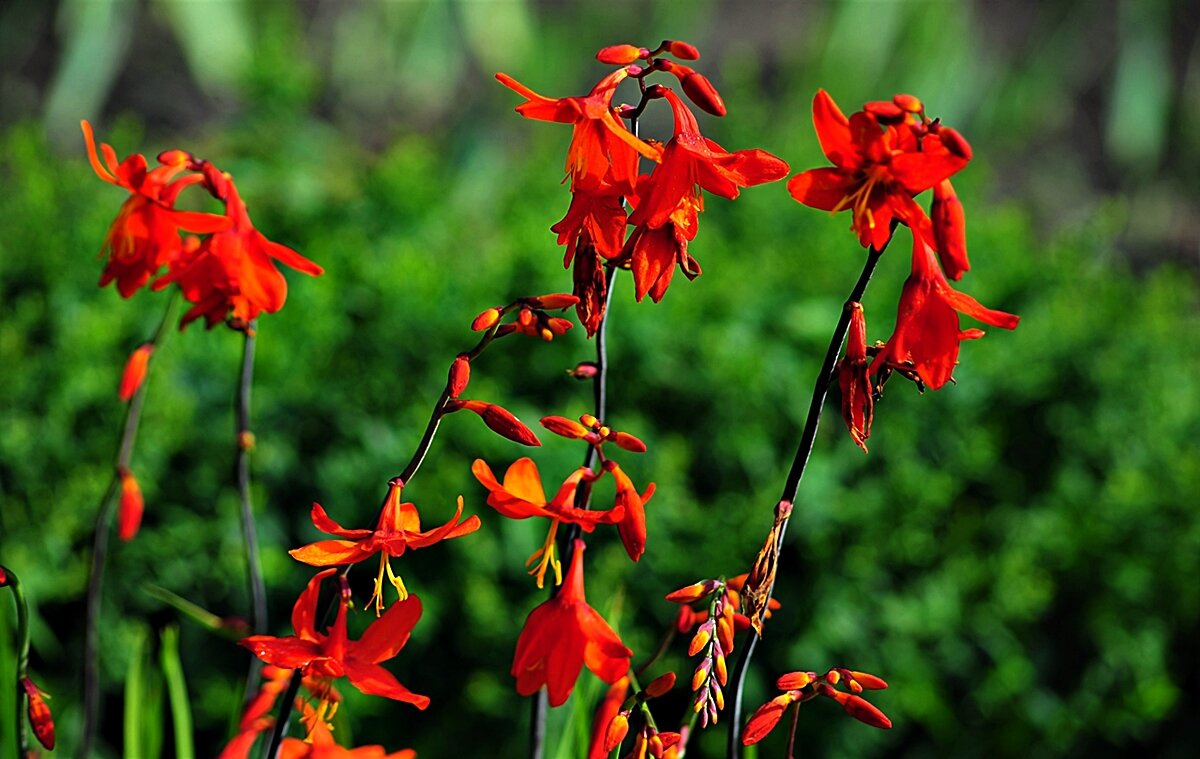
385 636
374 680
833 132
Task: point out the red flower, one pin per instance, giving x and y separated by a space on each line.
145 235
398 529
927 335
666 213
878 167
602 149
334 655
129 514
135 371
38 712
522 496
854 380
633 526
561 636
320 745
231 273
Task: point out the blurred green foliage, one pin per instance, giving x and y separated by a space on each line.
1017 555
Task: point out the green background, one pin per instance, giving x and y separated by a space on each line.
1018 555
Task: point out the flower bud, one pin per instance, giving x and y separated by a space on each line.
503 423
863 711
459 376
955 142
525 317
794 680
701 639
868 681
553 301
693 592
701 92
564 427
617 729
589 421
949 229
129 514
628 442
584 370
486 320
619 55
722 670
908 103
833 677
135 371
885 111
765 719
39 714
684 620
700 676
681 50
660 685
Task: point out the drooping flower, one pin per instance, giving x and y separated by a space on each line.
38 712
854 380
881 160
131 506
562 635
145 235
665 217
521 496
398 529
927 335
231 273
949 230
632 526
333 654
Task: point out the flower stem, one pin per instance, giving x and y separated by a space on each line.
91 667
244 442
792 484
9 579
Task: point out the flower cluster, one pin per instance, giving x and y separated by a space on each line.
799 687
884 156
227 274
602 164
617 714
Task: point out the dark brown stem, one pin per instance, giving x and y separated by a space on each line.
91 667
791 485
791 745
244 441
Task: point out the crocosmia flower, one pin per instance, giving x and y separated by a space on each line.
334 655
232 273
881 159
927 335
561 636
320 745
145 235
398 530
854 380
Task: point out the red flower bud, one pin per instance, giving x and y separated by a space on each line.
955 142
3 577
486 320
685 620
503 423
908 103
868 681
619 55
765 719
863 711
129 515
681 50
701 92
628 442
39 714
564 427
584 370
660 685
617 729
693 592
794 680
949 229
135 371
460 375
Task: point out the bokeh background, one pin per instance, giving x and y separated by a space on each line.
1018 555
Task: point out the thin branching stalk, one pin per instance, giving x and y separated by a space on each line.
104 517
21 736
244 442
792 484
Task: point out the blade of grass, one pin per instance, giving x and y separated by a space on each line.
181 713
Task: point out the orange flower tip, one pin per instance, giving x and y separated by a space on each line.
503 423
794 680
584 370
619 55
131 507
564 427
459 375
863 711
681 50
908 103
701 92
628 442
700 640
955 143
868 681
488 318
833 677
886 112
554 301
589 421
38 711
616 731
660 685
246 440
135 371
693 592
174 158
764 720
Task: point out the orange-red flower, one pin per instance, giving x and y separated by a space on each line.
135 371
132 504
881 160
601 147
632 526
231 273
805 686
320 745
398 529
145 235
666 214
334 654
521 496
927 334
854 380
562 635
38 712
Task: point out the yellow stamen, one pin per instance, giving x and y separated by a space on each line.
396 582
377 595
548 558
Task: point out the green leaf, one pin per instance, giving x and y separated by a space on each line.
181 712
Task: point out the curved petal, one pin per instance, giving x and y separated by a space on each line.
385 636
920 171
604 654
304 612
523 481
825 189
833 132
289 652
374 680
324 523
330 553
539 107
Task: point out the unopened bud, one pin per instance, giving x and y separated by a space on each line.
701 92
459 375
955 142
246 440
693 592
129 514
908 103
885 111
503 423
656 746
700 676
660 685
864 711
628 442
868 681
617 729
722 670
584 370
553 301
589 421
794 680
525 317
564 427
701 639
684 620
486 320
39 714
135 371
619 55
681 50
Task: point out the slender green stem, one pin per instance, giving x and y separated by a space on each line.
244 442
792 484
10 580
104 516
